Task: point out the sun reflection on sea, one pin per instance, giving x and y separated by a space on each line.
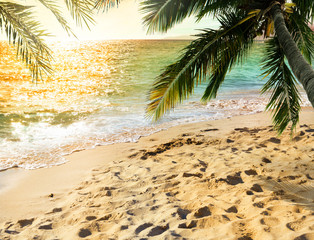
78 75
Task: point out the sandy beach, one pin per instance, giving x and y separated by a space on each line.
225 179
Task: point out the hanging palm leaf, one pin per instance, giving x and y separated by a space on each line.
302 35
81 11
106 4
214 50
54 8
284 101
17 22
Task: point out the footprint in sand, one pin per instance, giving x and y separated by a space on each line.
133 155
210 130
232 209
183 213
83 233
47 226
202 212
259 204
172 176
240 228
190 224
13 232
55 210
296 225
203 164
234 149
266 160
306 236
142 227
299 136
256 188
261 145
309 130
234 179
25 222
90 218
212 221
157 230
274 140
249 192
199 175
105 218
124 227
250 172
270 221
265 213
246 237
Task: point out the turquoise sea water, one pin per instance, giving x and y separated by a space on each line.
98 95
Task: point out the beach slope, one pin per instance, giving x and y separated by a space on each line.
225 179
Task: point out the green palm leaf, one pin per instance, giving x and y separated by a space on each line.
233 50
218 7
49 4
178 80
284 101
81 11
106 4
17 22
302 34
305 8
164 14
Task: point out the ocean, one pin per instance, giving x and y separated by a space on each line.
98 94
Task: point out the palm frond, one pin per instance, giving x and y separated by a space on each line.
178 80
81 11
305 8
218 8
216 79
49 4
302 34
285 100
233 50
106 4
161 15
17 22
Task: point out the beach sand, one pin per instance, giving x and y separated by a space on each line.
224 179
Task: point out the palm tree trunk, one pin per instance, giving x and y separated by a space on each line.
299 66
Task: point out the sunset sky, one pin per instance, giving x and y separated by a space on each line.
124 22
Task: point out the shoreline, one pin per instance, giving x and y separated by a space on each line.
6 175
13 177
27 194
221 108
153 130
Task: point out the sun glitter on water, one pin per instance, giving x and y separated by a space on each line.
71 83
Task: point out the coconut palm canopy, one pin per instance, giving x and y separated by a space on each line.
208 58
213 54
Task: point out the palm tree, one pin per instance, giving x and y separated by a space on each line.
17 22
215 52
